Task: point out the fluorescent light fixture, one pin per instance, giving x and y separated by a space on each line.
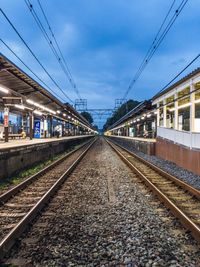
185 105
4 90
58 111
69 117
138 119
37 112
64 115
40 106
149 115
197 101
142 118
171 109
20 107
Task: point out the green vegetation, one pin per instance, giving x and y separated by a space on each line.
87 116
120 112
14 180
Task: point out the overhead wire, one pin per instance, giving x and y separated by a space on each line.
159 30
45 84
157 41
186 67
33 54
49 27
56 49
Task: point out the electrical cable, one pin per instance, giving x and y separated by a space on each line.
30 50
154 46
61 57
10 49
190 63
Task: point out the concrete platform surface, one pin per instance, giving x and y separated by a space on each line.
142 139
28 142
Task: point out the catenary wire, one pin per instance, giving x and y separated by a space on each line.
30 50
154 47
186 67
62 58
13 52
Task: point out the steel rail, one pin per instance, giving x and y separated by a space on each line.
13 191
14 234
182 184
185 220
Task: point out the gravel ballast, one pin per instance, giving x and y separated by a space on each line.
170 167
103 217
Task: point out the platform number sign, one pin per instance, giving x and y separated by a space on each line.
37 129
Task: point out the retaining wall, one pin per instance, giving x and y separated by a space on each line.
13 160
146 147
183 156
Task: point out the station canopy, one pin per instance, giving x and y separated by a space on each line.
22 87
143 106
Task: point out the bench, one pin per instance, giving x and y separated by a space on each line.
12 136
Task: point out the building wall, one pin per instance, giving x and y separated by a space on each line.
180 155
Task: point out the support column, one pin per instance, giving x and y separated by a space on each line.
158 115
51 125
192 108
63 127
176 113
164 114
45 127
74 128
31 123
6 123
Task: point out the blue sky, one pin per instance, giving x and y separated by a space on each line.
104 43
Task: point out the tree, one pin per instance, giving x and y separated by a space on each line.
96 128
120 112
87 116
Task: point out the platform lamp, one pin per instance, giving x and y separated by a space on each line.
9 101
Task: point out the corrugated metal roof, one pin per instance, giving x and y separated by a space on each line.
187 77
22 84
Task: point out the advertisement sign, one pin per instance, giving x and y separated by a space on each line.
37 129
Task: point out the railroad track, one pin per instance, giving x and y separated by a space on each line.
182 199
20 205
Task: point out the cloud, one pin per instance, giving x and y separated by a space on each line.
68 36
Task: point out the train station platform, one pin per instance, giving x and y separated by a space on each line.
17 155
19 143
145 145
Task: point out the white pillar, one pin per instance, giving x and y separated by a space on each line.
158 115
192 108
176 112
164 114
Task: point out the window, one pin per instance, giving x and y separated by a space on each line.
184 119
170 122
161 123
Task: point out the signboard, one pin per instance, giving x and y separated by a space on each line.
45 125
6 117
5 120
37 129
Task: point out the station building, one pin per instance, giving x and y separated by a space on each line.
178 122
27 109
137 128
168 125
139 122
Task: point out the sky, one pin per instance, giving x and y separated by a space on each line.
104 43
